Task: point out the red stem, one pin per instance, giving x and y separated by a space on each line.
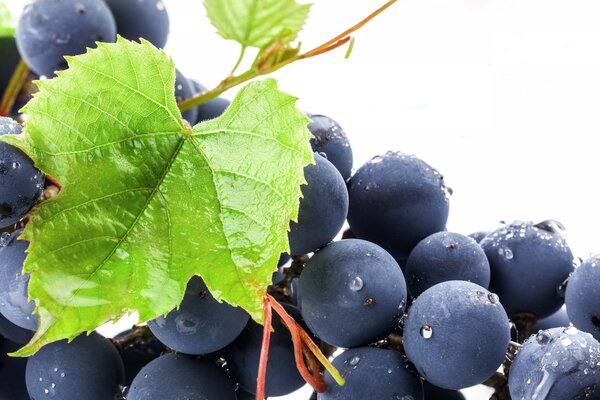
53 181
317 381
264 350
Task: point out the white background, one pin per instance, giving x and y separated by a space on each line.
502 97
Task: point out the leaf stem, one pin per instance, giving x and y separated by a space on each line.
232 81
239 60
14 87
264 350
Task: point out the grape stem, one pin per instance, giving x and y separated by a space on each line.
264 350
232 81
15 85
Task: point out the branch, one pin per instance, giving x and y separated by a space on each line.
14 87
232 81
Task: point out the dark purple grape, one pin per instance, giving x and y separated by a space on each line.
184 90
87 368
396 200
244 353
13 332
12 373
137 19
557 364
559 319
456 334
351 293
446 256
332 141
528 266
14 300
372 373
21 184
137 355
48 30
179 377
201 324
583 296
323 208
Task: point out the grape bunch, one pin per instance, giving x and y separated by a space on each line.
406 309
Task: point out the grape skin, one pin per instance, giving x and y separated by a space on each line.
351 293
528 265
21 184
396 200
583 296
137 19
201 324
13 332
185 90
87 368
14 302
177 376
330 139
372 373
12 373
456 334
139 354
48 30
446 256
244 353
557 364
323 208
432 392
557 320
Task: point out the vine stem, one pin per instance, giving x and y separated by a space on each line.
264 350
239 60
14 87
232 81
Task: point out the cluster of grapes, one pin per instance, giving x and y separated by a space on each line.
408 300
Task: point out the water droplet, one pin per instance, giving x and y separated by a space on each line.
493 298
322 154
354 361
4 239
571 330
542 337
186 324
356 284
566 342
426 331
506 253
554 364
15 164
46 391
529 381
62 374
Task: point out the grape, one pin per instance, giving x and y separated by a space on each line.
583 296
323 208
446 256
12 373
21 184
435 393
456 334
137 355
478 236
137 19
14 302
244 353
351 293
396 200
372 373
48 30
201 324
331 140
557 320
87 368
557 364
13 332
185 90
528 265
177 376
212 108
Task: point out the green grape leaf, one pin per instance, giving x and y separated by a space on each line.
148 202
257 23
7 23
